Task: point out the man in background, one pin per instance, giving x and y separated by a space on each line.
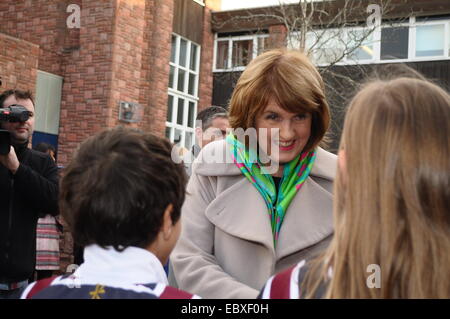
28 190
211 125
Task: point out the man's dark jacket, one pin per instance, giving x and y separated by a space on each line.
24 197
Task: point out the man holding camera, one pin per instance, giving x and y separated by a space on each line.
28 189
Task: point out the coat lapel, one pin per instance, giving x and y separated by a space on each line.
242 212
308 220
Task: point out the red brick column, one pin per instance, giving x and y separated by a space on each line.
128 48
158 57
88 73
206 61
146 68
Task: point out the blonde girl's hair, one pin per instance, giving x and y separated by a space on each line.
392 209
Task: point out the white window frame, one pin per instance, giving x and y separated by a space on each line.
375 44
230 41
413 30
346 60
200 2
185 95
412 24
319 32
394 25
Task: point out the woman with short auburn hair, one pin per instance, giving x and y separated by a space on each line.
392 201
244 219
292 80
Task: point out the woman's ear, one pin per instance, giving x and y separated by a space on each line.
167 226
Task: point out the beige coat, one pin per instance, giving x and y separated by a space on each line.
226 245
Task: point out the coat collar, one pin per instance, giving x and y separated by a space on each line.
215 160
242 212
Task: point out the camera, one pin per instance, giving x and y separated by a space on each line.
12 113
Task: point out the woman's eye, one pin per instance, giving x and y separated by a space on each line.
301 116
271 117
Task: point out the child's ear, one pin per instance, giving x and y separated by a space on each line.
167 226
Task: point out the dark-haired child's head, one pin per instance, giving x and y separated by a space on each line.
123 189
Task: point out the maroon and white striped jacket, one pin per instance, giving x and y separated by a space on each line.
288 284
109 274
64 287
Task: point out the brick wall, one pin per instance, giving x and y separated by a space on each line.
128 47
88 74
120 53
206 61
18 63
157 70
41 22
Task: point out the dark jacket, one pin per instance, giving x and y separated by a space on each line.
24 197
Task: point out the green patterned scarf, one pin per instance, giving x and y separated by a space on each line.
294 175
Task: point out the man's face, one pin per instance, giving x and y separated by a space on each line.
216 131
20 131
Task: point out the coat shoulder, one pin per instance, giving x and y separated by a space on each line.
325 165
215 159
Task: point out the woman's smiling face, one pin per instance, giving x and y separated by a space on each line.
294 132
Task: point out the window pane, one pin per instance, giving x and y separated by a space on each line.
168 129
172 77
394 43
311 39
361 44
181 76
326 46
174 49
262 45
242 52
191 114
193 64
191 87
180 111
169 108
177 136
430 40
188 141
183 52
222 55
